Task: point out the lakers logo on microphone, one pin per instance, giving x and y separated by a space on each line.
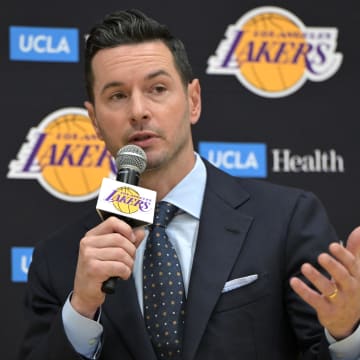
272 53
64 154
125 199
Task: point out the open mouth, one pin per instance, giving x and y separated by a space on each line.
141 137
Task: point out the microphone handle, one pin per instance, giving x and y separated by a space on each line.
109 285
128 176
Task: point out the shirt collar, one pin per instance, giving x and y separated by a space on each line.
188 194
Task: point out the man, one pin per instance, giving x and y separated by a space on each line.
241 243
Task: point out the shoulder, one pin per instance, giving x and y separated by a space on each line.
253 186
267 188
259 191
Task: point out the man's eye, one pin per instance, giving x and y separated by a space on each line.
159 89
118 96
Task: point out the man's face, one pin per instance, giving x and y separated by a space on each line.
139 99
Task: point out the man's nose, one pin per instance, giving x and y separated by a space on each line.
139 108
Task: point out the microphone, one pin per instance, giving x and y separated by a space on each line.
130 162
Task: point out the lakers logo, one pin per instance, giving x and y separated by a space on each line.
125 200
64 154
272 53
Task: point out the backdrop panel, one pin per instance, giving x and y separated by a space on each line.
280 107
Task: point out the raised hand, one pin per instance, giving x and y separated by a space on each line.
336 299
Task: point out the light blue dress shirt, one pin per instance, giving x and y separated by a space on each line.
85 334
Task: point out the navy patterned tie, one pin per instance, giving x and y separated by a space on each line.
164 294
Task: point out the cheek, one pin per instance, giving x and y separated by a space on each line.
179 128
111 132
108 123
177 114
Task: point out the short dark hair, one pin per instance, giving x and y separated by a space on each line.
132 27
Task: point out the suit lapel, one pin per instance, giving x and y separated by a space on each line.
221 235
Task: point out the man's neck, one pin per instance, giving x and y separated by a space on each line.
165 179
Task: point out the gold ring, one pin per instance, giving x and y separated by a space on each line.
333 295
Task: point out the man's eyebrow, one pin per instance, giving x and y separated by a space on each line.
147 77
111 85
157 73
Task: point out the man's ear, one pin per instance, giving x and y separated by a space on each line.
91 112
194 94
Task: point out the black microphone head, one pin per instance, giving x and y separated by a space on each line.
131 156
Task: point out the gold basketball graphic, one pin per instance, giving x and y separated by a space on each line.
126 200
270 55
72 160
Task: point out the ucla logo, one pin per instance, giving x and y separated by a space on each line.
272 53
237 159
65 155
44 44
21 258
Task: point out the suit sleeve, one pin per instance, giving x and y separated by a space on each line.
44 338
309 234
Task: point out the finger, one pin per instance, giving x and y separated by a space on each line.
309 295
346 258
111 269
322 283
112 225
353 242
87 244
338 272
114 254
139 234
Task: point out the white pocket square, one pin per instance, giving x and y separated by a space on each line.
239 282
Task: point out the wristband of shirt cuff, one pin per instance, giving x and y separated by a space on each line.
84 334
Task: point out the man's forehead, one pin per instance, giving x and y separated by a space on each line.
147 60
146 49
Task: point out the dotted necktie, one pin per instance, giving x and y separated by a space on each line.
164 294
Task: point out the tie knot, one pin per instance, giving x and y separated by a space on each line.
164 212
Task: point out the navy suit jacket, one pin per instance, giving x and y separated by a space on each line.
246 227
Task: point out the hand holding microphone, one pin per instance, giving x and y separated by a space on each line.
110 247
130 162
106 250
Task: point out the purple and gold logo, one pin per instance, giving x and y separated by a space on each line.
65 155
272 53
127 200
131 201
